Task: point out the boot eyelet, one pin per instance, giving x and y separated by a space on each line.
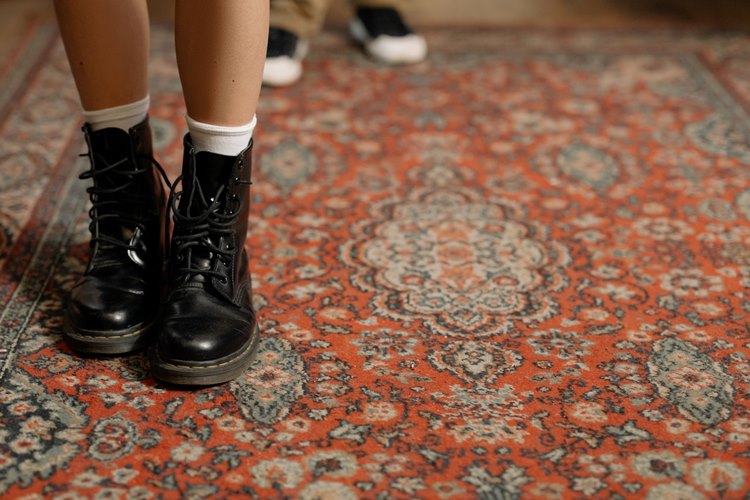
236 180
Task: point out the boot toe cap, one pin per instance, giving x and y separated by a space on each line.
199 329
101 306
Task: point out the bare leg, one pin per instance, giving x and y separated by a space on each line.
208 329
107 43
221 49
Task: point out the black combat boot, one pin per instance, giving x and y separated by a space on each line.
113 306
208 332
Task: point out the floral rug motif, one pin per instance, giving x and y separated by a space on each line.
520 269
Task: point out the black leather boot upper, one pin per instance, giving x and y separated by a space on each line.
119 291
208 314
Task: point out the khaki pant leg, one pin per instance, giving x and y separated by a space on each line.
304 18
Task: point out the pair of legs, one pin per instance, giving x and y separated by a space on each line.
194 308
221 48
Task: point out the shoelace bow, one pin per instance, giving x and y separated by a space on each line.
104 201
197 232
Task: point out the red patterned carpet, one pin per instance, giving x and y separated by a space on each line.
520 269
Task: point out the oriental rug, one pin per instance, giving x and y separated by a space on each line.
520 269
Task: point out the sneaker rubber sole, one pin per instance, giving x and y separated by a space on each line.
285 70
394 50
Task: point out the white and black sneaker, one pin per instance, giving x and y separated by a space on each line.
386 37
283 58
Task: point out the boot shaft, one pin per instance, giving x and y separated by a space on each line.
210 223
128 197
127 157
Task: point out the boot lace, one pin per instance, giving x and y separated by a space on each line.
200 234
107 202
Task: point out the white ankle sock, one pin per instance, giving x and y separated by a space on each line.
122 117
228 141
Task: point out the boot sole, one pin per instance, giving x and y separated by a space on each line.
107 343
222 370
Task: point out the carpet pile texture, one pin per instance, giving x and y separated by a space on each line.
518 269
